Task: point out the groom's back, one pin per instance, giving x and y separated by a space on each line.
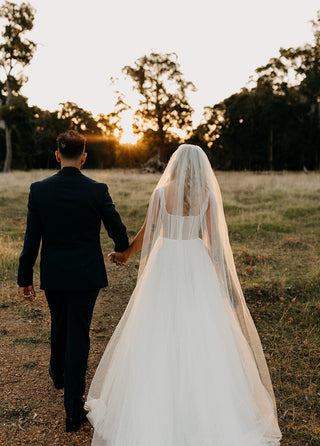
66 210
69 207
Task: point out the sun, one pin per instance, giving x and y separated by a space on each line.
128 137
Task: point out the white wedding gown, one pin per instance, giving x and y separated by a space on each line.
173 373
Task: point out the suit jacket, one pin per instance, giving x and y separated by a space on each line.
65 212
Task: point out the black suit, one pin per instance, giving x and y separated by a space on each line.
65 213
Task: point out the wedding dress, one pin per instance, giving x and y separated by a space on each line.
185 366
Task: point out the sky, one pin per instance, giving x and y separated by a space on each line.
82 44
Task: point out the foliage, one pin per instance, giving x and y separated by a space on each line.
164 105
271 124
15 51
276 123
34 133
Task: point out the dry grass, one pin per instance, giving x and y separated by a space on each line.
273 221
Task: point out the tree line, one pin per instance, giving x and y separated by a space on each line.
273 123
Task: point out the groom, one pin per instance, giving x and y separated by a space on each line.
65 213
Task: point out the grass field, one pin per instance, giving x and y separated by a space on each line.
274 226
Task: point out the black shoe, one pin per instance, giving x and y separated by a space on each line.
74 424
58 381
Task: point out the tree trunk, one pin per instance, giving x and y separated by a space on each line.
163 153
8 130
317 148
8 160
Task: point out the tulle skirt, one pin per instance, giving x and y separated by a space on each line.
178 370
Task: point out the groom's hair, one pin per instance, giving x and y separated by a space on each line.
71 144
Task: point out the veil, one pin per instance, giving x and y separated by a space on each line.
188 190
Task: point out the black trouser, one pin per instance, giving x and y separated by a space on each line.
71 314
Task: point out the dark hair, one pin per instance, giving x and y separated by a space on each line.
71 144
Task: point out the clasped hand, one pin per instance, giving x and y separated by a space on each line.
119 258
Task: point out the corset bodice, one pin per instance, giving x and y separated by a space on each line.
180 227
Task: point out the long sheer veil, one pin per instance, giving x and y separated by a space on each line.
189 188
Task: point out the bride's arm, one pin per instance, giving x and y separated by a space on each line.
121 258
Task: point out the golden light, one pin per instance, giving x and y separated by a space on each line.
126 123
178 132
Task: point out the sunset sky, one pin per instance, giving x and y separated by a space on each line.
81 44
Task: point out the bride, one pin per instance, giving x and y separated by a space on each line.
185 365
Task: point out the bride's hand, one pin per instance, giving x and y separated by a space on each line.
119 258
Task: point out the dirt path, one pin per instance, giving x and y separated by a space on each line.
31 410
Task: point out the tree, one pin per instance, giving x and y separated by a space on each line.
164 104
47 126
100 132
15 51
23 134
296 74
276 123
77 118
110 124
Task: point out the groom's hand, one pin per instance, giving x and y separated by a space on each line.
28 292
